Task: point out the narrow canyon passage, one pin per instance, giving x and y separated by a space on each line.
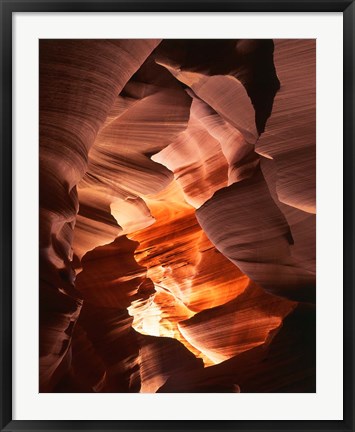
177 216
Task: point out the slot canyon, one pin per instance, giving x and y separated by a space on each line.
177 216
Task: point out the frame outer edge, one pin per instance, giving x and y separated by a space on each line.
349 234
6 216
179 5
6 9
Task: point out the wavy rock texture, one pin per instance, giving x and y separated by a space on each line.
77 90
177 216
257 237
145 117
293 149
284 363
239 325
109 356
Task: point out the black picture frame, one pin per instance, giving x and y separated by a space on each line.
8 7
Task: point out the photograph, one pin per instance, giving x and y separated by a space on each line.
177 215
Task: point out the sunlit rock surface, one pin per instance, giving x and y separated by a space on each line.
239 325
177 216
